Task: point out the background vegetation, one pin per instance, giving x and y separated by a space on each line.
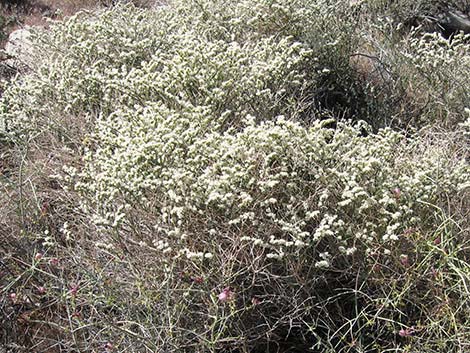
245 176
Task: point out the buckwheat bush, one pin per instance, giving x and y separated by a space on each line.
440 73
154 151
260 58
417 79
281 214
213 211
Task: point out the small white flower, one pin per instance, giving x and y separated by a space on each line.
322 264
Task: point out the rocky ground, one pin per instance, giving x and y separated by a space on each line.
16 14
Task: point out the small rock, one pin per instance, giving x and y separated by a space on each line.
18 49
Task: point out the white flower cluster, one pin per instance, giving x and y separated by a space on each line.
441 68
284 183
195 52
431 50
189 133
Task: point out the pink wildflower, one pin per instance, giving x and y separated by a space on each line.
396 192
406 332
38 256
109 346
226 295
198 280
74 290
54 261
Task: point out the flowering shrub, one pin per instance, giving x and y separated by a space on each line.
269 68
441 72
330 201
232 214
418 76
294 185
